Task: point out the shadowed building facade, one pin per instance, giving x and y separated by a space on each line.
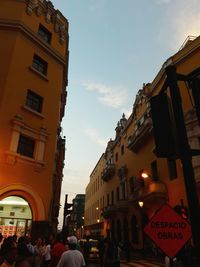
119 201
34 67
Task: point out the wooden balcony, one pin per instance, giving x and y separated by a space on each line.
122 205
109 211
153 190
140 135
108 172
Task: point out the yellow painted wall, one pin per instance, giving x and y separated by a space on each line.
16 53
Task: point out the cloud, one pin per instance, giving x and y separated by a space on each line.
114 97
160 2
94 136
182 19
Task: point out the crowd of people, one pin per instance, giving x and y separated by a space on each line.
54 252
48 252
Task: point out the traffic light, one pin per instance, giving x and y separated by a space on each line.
195 87
182 211
163 126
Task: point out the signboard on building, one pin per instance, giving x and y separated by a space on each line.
168 230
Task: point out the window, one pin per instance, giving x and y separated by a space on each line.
34 101
116 157
1 208
44 34
154 170
26 146
112 198
39 64
108 200
117 193
122 150
172 169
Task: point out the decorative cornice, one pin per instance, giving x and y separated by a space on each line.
17 25
46 8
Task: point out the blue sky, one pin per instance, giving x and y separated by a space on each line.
115 46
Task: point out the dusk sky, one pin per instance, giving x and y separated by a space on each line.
115 46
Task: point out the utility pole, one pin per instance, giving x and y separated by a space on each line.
185 155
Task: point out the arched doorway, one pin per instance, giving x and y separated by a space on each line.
119 231
15 216
134 230
125 230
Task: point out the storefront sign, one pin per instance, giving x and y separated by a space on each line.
168 230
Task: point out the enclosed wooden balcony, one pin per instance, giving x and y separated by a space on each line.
108 172
109 211
122 205
138 138
154 189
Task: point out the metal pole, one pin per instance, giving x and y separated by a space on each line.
186 157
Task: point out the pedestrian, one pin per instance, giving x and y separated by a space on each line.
46 253
101 247
24 257
127 249
10 255
57 250
86 249
72 257
111 255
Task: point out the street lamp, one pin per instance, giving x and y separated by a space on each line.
144 174
141 204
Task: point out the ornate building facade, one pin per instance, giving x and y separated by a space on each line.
119 201
34 67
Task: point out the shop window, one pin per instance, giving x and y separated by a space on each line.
26 146
44 34
34 101
39 64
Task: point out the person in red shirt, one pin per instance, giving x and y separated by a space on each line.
57 251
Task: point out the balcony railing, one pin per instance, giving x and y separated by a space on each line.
122 205
140 135
153 189
108 211
108 172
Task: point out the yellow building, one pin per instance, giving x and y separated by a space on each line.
119 202
33 80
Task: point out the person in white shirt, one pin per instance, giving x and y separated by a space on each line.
72 257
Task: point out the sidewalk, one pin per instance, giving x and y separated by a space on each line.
139 261
142 263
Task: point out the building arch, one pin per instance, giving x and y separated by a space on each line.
34 200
